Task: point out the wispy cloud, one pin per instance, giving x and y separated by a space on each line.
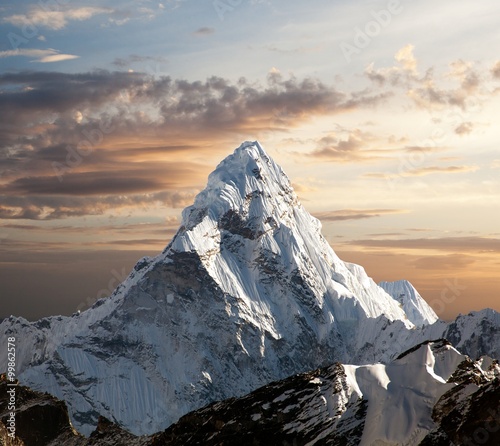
453 244
439 169
451 262
356 214
54 20
46 207
137 59
204 31
42 56
422 171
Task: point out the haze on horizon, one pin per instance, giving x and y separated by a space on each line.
382 113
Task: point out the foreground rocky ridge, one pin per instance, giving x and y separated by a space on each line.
454 402
248 292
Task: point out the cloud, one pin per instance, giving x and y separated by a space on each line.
57 58
166 226
400 74
495 71
448 262
356 214
204 31
348 145
135 59
461 86
107 131
39 107
437 169
355 145
420 172
333 147
43 56
453 244
303 188
466 74
424 149
407 59
54 20
46 207
464 128
86 183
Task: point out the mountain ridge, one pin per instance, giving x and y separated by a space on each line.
454 402
246 293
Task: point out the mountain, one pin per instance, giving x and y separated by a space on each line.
415 307
430 395
247 292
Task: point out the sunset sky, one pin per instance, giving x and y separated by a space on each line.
384 114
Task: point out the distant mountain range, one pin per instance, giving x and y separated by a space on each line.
248 292
430 396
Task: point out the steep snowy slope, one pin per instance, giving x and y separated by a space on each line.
247 292
416 308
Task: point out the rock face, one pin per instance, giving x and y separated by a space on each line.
318 406
247 292
40 419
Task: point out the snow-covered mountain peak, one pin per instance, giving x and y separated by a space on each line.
246 187
416 308
247 292
249 228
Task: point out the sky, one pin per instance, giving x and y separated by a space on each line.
382 113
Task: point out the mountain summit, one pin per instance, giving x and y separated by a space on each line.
256 240
247 292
